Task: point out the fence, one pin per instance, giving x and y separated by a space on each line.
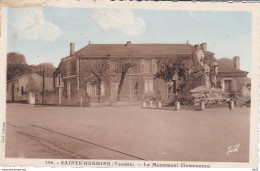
228 100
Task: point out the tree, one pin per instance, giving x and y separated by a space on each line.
123 67
171 66
95 72
48 68
32 85
16 58
16 65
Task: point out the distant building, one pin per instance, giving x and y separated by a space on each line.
28 89
234 80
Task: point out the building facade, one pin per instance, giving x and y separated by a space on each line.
233 80
72 89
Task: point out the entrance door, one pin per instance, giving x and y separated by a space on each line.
228 86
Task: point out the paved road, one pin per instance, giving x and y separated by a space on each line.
126 133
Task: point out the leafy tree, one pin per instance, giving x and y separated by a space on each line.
171 66
48 69
15 58
14 70
122 67
32 85
16 65
95 72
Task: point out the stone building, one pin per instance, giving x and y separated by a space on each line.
232 79
139 83
73 89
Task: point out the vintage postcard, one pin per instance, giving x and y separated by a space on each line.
128 84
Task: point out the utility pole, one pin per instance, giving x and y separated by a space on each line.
43 70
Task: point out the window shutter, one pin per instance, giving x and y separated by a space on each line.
146 87
146 66
89 89
150 86
154 65
94 90
142 66
102 89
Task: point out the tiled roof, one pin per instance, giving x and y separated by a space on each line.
135 50
225 69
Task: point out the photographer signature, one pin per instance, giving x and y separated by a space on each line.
232 149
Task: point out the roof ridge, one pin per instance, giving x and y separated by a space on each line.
139 48
138 44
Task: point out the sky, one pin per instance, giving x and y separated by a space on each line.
44 34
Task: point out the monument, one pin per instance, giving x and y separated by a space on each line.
203 85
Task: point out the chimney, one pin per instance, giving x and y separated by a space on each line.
236 62
203 46
128 43
72 48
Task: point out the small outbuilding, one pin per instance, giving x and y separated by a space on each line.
28 88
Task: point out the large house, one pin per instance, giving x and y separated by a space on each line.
139 82
72 88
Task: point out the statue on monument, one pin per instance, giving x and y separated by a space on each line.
199 66
197 57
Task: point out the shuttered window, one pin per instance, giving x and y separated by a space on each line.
92 89
148 87
154 66
142 66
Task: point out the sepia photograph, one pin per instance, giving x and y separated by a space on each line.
102 84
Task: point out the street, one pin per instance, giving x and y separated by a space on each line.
127 133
